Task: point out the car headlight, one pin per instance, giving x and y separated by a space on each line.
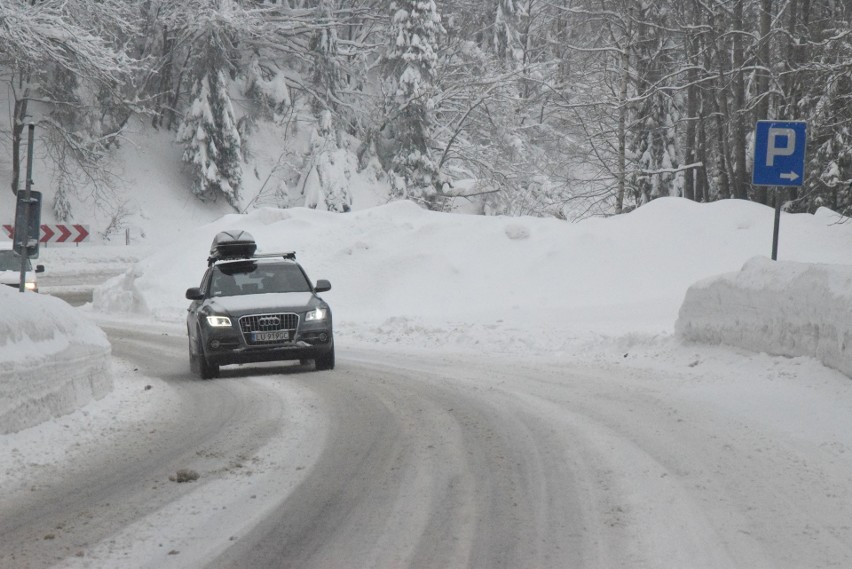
30 286
316 314
218 321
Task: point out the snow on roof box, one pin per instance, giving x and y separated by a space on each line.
232 244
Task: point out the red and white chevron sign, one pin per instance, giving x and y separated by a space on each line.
57 233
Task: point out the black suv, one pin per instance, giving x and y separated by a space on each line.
256 308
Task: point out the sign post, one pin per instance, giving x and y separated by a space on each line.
27 215
26 233
779 160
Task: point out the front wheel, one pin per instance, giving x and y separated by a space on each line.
194 360
326 361
206 369
199 365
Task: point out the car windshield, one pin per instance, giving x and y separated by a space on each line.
9 261
233 279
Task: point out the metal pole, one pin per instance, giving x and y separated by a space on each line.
777 224
25 230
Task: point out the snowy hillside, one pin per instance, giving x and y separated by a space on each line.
405 275
151 199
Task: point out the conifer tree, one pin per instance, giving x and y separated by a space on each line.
651 134
212 142
410 62
506 36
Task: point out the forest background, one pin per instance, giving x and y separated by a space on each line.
563 108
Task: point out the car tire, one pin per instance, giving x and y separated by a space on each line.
206 369
194 365
326 361
199 365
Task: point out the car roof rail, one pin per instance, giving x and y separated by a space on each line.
212 260
287 255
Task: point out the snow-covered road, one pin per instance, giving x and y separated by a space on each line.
415 459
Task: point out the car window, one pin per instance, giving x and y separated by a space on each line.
256 278
11 262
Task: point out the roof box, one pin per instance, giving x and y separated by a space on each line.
232 244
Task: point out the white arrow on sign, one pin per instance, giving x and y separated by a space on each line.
789 176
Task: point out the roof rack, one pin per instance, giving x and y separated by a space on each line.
286 255
289 255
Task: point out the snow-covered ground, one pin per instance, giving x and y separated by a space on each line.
637 291
531 287
52 361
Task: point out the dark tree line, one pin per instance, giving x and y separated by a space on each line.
694 78
544 107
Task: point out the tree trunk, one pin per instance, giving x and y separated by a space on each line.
691 112
791 80
764 63
622 130
702 186
163 102
19 114
739 114
718 101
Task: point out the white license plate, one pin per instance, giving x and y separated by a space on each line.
277 336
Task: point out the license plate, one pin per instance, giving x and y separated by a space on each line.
276 336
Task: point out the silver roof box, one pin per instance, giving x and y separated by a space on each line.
232 244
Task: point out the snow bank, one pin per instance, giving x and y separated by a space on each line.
781 308
52 361
403 275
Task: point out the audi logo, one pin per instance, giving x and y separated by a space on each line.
268 321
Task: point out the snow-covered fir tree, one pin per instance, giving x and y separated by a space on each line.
410 64
209 132
212 142
651 133
507 41
327 170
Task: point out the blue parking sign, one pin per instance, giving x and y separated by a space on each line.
779 153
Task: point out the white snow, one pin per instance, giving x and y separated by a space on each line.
52 361
407 277
781 308
643 291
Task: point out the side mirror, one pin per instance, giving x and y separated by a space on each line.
39 268
194 293
322 285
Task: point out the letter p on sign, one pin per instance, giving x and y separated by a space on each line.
773 150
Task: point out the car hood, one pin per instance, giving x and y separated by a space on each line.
271 302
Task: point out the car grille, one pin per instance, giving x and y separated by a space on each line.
268 323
